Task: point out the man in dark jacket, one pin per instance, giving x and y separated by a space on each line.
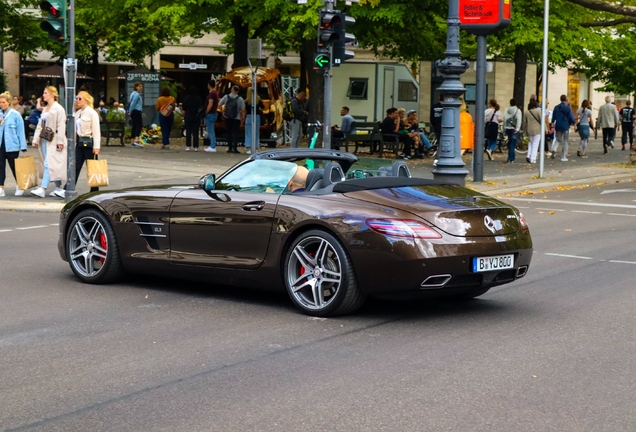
562 118
191 105
300 116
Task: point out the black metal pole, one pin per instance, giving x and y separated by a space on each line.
71 193
450 167
480 106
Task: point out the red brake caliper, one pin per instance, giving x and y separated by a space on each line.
104 245
302 268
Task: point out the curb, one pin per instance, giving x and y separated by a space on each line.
42 207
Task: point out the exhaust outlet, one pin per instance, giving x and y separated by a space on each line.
521 271
436 281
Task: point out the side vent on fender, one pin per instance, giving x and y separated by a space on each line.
149 231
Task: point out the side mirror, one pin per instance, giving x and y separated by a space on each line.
207 182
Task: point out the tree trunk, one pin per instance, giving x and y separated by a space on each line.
316 84
521 64
241 34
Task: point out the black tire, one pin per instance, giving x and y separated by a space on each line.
92 250
338 292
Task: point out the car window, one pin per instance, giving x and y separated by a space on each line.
265 176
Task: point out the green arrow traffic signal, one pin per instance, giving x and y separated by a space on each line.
321 61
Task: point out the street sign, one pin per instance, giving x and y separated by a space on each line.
321 61
483 17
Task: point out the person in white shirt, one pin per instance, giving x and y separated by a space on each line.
88 133
493 118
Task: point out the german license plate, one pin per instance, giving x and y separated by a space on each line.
491 263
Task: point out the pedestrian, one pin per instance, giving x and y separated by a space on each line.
436 117
12 140
584 123
34 117
165 106
627 116
493 119
346 126
390 128
53 152
512 125
466 129
562 118
87 144
300 117
413 125
17 105
248 120
135 109
608 120
211 115
532 128
191 106
233 108
549 131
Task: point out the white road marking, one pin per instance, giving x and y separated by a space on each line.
622 262
569 256
31 227
584 211
521 207
624 206
621 214
57 224
548 209
609 191
6 230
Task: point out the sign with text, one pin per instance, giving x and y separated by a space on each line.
484 17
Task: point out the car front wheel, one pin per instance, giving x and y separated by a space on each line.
91 248
319 276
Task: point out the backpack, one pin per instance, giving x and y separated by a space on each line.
288 112
511 122
231 108
201 113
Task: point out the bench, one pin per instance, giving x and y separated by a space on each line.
113 130
366 134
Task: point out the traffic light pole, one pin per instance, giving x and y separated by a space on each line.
71 64
326 124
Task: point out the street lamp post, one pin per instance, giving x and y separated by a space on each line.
450 166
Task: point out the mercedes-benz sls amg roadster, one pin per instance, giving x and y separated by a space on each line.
351 233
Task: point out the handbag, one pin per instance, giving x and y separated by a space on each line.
492 128
47 133
167 109
26 174
96 173
86 142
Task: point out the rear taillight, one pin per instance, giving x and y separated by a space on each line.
403 228
524 224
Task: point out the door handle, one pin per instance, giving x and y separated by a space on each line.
254 206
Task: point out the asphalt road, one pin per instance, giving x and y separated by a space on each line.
552 352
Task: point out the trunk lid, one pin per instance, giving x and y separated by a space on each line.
456 210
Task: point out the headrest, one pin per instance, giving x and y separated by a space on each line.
399 169
333 174
313 179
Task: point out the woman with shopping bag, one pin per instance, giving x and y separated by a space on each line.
12 140
88 133
50 138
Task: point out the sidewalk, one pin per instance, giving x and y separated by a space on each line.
131 167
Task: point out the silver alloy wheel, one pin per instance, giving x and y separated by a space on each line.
88 248
314 273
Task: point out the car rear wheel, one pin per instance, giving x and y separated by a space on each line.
91 248
319 276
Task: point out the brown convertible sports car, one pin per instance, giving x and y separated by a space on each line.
351 233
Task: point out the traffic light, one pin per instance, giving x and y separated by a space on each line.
321 61
339 53
326 33
55 23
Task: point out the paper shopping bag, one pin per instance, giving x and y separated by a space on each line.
97 172
27 175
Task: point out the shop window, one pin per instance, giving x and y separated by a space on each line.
407 91
358 88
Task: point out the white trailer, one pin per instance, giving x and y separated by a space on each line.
369 89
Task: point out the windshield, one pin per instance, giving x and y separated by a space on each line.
265 176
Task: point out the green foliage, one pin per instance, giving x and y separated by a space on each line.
179 122
3 82
114 115
173 86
